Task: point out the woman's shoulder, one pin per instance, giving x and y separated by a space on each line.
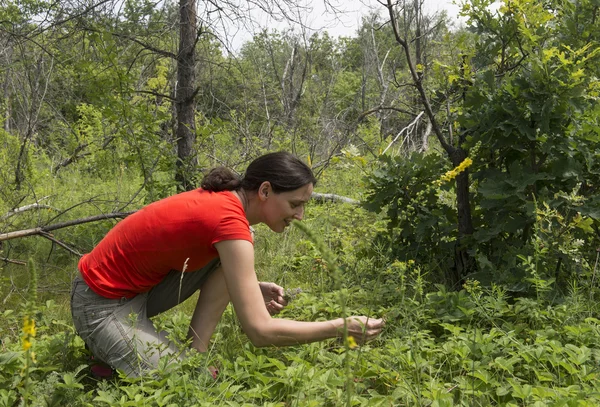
198 197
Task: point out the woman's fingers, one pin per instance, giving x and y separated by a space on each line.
273 292
364 329
274 307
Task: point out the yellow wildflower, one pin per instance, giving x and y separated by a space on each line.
28 326
28 332
352 342
450 175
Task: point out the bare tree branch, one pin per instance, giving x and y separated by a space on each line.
147 46
12 261
407 129
61 244
378 108
45 229
333 198
417 80
27 208
157 94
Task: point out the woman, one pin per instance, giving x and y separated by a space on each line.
197 240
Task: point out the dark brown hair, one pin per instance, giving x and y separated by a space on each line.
282 170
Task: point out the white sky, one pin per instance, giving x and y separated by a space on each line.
319 18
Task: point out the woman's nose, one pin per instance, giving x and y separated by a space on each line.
299 213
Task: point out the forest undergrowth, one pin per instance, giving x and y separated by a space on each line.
477 346
473 151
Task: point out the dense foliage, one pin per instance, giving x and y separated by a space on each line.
474 347
503 311
528 115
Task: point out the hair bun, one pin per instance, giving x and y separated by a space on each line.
221 179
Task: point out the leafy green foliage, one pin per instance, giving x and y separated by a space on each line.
421 215
533 144
469 347
529 90
93 133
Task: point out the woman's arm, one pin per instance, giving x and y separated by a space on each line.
237 260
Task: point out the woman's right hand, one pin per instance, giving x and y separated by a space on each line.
364 329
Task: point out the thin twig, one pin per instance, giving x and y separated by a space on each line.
407 128
12 261
333 198
61 244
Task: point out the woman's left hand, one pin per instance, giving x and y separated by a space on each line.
273 295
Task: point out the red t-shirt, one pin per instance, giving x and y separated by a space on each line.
144 247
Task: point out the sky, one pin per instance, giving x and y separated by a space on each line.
319 17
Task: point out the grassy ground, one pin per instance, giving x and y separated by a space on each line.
476 347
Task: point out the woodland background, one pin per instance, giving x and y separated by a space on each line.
469 156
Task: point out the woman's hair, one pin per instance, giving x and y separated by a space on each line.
282 170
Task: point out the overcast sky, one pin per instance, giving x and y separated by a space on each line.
343 21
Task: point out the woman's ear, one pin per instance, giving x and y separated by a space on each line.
265 190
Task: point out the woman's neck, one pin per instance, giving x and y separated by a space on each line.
242 195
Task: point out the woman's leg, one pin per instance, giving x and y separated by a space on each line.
118 331
128 340
177 287
212 301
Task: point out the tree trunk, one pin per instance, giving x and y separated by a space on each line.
6 90
418 54
463 262
185 93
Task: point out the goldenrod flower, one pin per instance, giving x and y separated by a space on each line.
352 342
28 332
450 175
28 326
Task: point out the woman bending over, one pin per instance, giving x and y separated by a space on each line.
197 240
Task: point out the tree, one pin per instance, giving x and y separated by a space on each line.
530 113
185 93
521 102
412 22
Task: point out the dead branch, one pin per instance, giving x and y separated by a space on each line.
333 198
61 244
26 208
407 129
417 81
45 229
13 261
380 108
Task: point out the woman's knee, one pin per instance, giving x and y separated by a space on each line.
131 344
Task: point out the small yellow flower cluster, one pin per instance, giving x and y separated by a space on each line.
28 332
450 175
352 342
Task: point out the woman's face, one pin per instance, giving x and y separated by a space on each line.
281 209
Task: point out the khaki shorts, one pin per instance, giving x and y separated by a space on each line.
119 331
